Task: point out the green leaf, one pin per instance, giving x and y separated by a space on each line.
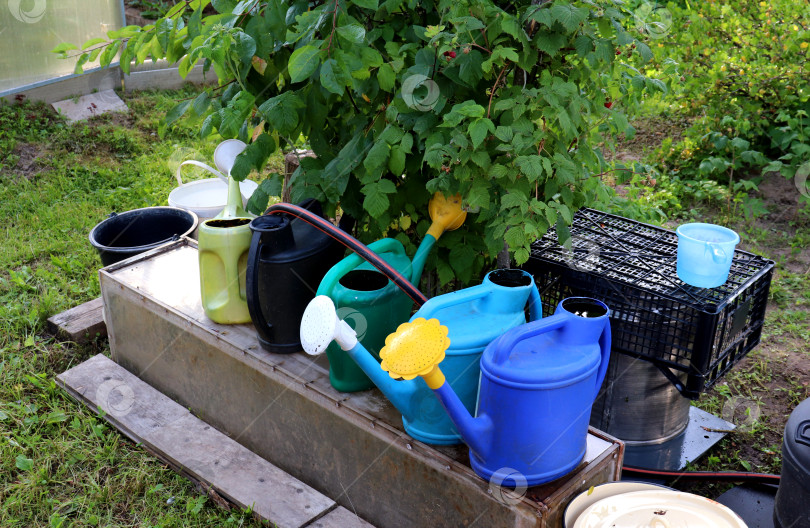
63 47
245 47
530 166
504 133
253 157
376 156
549 41
583 44
445 272
353 33
568 15
521 255
515 237
174 114
163 32
478 130
271 186
739 143
461 258
79 68
543 15
56 417
368 4
329 79
396 163
25 464
605 50
375 202
406 143
303 62
386 77
89 43
281 112
201 103
498 171
644 51
224 6
371 58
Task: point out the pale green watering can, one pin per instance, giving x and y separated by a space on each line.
223 244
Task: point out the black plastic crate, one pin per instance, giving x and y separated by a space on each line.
654 315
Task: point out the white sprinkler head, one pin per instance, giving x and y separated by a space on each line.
225 154
321 324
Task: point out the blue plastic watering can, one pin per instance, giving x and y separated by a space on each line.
474 316
538 382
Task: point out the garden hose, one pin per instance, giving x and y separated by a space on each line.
352 243
723 476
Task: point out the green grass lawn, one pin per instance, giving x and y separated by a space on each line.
62 466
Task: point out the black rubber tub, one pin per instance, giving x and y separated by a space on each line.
126 234
792 505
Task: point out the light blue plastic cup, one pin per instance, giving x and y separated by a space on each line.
705 252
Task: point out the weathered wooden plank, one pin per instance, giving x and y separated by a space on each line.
184 441
340 517
80 324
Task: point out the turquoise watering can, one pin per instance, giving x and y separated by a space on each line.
474 316
538 382
373 304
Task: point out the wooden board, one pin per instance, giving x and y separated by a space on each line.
80 324
187 443
339 518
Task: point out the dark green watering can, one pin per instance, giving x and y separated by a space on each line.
370 302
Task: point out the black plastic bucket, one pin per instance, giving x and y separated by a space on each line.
123 235
791 505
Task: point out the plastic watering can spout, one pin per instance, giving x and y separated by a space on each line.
416 349
447 215
233 208
321 325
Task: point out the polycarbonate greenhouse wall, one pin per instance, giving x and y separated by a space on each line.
30 29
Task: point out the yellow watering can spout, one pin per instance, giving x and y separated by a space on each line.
446 214
416 349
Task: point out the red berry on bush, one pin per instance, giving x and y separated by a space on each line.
618 52
450 54
608 104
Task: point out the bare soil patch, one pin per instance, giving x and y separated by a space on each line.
28 159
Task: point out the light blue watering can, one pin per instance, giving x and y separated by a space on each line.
538 382
474 316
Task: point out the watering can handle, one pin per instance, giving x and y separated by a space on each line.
604 346
212 170
252 282
535 304
718 255
333 276
451 299
509 340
